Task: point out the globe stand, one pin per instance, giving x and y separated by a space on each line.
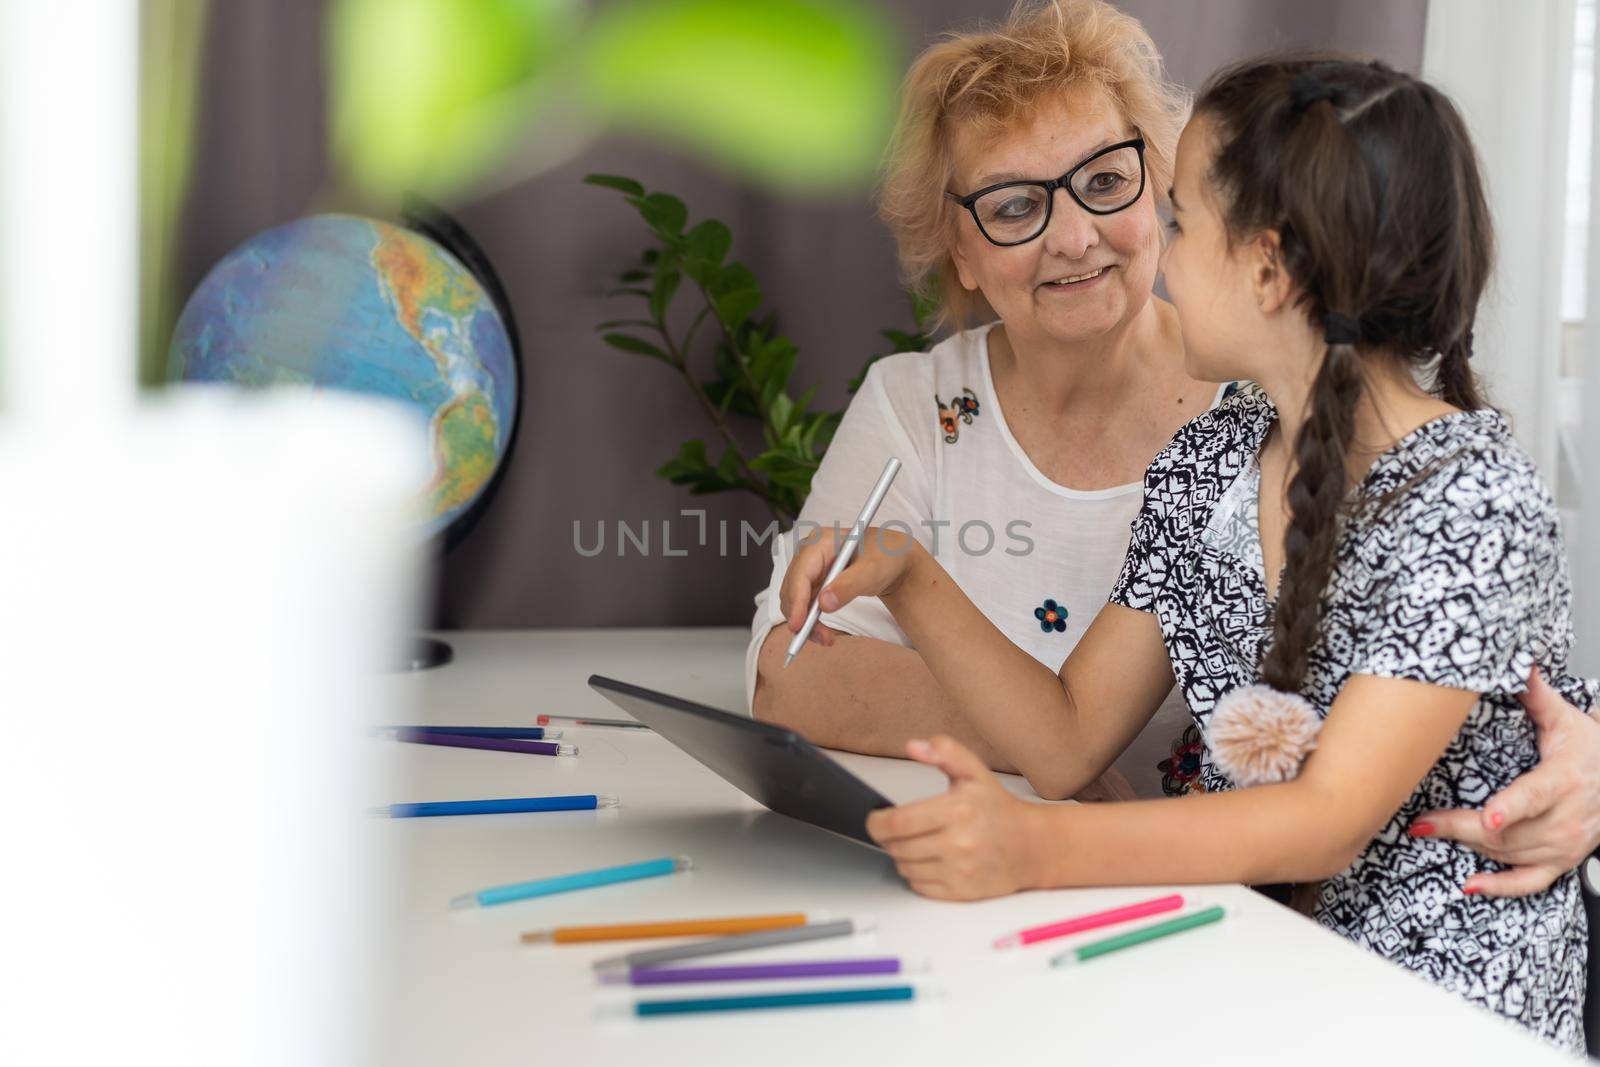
426 653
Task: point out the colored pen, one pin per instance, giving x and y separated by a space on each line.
526 733
617 966
678 928
493 744
762 971
847 552
777 1000
504 894
1138 937
426 809
1093 921
626 724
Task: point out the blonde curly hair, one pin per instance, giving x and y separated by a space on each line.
985 80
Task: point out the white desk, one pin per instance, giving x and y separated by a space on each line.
1265 985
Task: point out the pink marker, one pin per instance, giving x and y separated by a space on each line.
1093 921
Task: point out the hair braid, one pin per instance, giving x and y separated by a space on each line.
1316 499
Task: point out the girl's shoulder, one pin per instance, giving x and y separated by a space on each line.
1190 476
1462 473
1458 450
1220 439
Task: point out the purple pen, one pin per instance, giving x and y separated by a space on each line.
494 744
757 971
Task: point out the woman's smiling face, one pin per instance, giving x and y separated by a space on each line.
1118 252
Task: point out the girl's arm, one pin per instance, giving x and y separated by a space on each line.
1060 731
1379 740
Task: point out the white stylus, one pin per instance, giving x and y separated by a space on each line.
846 553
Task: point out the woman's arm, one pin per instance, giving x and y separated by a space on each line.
1062 732
1379 740
862 695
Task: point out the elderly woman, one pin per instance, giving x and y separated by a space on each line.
1025 179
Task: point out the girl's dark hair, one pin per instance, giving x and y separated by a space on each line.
1369 178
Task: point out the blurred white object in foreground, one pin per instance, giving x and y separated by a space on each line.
194 602
194 593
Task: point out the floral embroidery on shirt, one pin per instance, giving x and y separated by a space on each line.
1180 771
963 407
1052 616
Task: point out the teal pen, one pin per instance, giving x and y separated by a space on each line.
856 995
504 894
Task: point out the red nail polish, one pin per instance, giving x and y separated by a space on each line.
1497 819
1469 890
1420 829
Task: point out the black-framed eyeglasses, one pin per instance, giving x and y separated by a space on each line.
1014 213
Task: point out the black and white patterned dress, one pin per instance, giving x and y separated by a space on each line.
1462 582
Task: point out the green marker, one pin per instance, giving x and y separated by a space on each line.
1139 937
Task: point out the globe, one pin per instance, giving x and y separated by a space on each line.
343 302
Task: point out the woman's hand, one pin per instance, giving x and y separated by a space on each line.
970 843
880 562
1546 822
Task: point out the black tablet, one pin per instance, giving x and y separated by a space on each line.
776 767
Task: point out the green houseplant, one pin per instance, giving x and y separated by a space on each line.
751 363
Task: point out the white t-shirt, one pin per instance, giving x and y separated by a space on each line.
1037 558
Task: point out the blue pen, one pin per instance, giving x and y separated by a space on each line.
504 894
509 805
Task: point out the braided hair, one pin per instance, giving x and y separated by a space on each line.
1370 180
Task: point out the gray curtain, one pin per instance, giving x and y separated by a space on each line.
596 422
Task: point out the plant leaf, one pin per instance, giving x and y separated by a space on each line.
730 396
615 181
691 468
784 469
728 466
778 411
735 294
665 213
665 286
629 343
705 245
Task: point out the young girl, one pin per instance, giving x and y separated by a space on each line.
1335 530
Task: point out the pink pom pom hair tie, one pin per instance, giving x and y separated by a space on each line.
1259 736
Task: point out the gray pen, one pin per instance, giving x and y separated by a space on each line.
846 553
615 968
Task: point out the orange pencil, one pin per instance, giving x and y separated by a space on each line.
566 935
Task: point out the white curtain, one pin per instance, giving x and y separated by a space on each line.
1509 68
1581 548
